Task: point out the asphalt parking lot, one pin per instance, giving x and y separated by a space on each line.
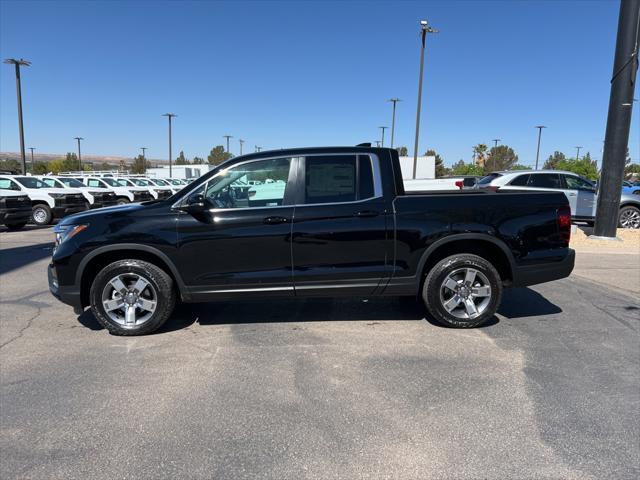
322 388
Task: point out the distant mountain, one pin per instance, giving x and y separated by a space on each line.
45 157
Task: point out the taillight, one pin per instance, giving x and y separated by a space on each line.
459 184
492 188
564 223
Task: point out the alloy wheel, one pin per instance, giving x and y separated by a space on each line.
129 299
465 293
630 219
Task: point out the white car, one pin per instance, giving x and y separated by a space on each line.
47 203
97 197
580 192
135 182
124 195
15 207
162 184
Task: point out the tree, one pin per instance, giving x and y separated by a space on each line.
10 165
218 155
70 163
585 167
403 151
501 157
520 167
198 160
41 168
632 168
553 160
463 169
479 154
441 170
140 165
182 160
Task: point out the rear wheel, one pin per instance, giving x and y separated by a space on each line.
41 214
132 297
629 217
462 291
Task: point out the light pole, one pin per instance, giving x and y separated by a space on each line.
424 29
539 127
383 129
258 148
79 155
578 152
170 116
32 149
18 64
241 142
495 142
144 159
393 118
227 137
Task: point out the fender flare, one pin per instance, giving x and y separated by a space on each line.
132 246
465 236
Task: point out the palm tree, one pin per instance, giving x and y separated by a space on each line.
479 154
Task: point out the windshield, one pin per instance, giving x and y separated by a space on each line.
489 178
71 182
124 182
160 182
141 183
111 182
31 182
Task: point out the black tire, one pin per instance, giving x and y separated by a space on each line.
155 276
122 201
15 226
41 214
433 290
629 217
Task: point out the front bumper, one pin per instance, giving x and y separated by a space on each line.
546 272
15 215
64 210
68 294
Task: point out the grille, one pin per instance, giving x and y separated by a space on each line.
17 202
74 199
141 196
162 194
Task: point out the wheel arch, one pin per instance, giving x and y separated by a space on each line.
490 248
99 258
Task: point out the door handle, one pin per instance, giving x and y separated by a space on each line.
274 220
572 194
366 213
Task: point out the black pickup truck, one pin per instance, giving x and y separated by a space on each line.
330 221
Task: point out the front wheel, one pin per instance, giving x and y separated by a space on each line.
122 201
15 226
462 291
41 214
132 297
629 217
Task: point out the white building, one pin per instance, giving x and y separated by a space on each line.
425 167
182 172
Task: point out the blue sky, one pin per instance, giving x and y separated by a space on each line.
286 74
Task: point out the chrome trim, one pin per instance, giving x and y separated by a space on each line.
346 285
241 290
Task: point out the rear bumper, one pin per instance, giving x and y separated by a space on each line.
68 294
546 272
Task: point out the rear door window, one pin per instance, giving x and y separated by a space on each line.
545 180
489 178
520 180
330 179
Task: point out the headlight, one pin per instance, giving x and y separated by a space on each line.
65 232
56 195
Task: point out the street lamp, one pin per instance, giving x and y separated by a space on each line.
18 63
241 142
424 29
227 137
539 127
169 116
383 129
79 156
578 152
32 149
393 118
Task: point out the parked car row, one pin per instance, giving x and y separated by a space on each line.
41 199
581 193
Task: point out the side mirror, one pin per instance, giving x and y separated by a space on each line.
195 203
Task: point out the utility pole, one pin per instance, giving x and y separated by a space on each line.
578 153
383 129
144 159
227 137
18 63
495 142
79 155
170 116
625 69
241 143
424 29
258 148
539 127
32 149
393 118
377 143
